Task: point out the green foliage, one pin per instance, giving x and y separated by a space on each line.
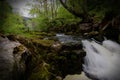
41 72
66 17
35 11
104 5
63 13
13 24
5 9
98 15
78 5
41 23
87 8
50 14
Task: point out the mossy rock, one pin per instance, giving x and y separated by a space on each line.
19 49
11 37
59 61
44 33
45 43
41 72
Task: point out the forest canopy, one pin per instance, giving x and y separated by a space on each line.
86 8
47 14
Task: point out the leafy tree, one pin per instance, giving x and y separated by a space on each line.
67 17
66 14
83 8
40 23
13 24
5 10
45 11
47 7
77 7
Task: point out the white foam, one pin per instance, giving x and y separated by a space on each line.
101 61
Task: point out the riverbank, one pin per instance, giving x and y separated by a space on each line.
50 58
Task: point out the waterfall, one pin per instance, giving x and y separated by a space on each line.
102 61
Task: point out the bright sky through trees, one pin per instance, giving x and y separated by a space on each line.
21 7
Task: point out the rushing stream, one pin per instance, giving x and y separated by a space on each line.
102 61
68 39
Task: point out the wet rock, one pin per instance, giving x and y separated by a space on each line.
71 46
3 36
112 33
12 62
6 58
85 27
66 62
63 57
21 56
68 59
56 46
59 78
116 23
40 72
11 37
91 34
81 76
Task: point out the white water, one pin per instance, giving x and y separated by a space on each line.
102 61
68 38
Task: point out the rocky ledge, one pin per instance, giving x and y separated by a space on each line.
13 56
38 59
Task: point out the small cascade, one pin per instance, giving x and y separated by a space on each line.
68 39
102 61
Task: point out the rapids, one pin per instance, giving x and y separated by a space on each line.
102 61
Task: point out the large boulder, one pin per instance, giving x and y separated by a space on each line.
81 76
13 57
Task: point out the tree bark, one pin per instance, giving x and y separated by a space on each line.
85 17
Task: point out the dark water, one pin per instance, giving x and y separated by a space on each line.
68 38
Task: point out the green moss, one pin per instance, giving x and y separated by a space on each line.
45 43
41 72
19 49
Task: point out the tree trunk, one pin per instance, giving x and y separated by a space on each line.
85 16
